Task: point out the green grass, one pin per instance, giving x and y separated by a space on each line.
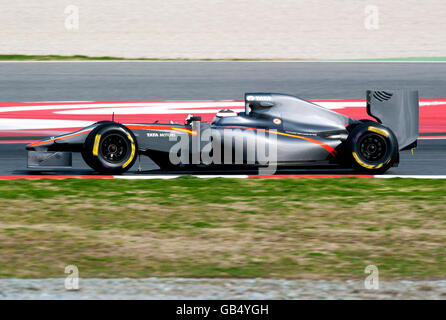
190 227
22 57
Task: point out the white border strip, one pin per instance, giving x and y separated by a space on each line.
431 138
389 176
245 176
241 176
220 61
134 177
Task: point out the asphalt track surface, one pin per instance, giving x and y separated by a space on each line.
114 81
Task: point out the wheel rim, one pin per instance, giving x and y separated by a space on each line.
373 147
114 148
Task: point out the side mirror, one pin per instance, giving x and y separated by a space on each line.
190 118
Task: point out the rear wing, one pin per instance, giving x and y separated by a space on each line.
397 109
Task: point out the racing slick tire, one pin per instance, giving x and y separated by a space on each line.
372 148
110 148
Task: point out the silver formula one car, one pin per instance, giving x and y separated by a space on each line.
298 132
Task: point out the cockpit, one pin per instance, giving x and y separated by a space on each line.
280 111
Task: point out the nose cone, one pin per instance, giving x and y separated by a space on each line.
60 143
42 144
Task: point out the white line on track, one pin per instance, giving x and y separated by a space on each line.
240 176
220 61
243 176
431 138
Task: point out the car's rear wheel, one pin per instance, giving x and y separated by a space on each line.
372 148
110 148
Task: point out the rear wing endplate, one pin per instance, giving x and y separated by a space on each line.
397 109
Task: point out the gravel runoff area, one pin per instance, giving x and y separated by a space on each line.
253 289
200 29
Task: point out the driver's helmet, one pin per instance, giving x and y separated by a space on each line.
226 113
223 114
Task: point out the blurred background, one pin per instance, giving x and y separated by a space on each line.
217 29
217 238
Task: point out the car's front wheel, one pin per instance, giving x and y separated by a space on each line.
372 148
110 148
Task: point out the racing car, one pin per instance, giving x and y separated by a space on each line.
298 132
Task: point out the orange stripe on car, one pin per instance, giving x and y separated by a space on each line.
133 126
59 138
330 149
324 145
